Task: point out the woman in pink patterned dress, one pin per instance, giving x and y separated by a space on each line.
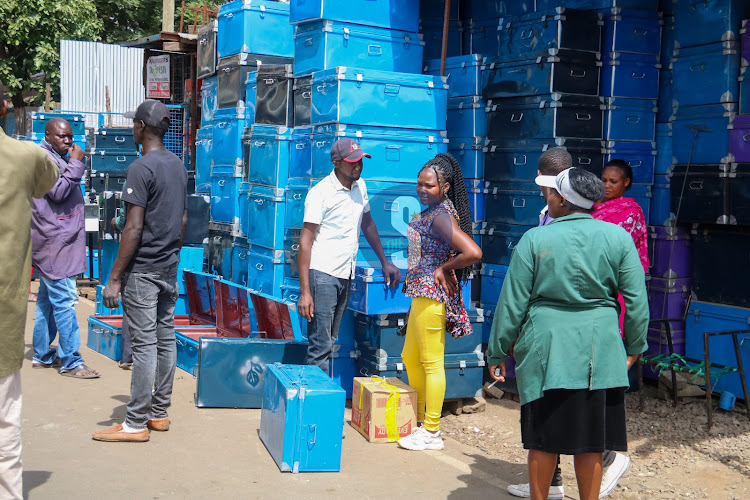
625 212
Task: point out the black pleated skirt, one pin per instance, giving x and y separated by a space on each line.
574 421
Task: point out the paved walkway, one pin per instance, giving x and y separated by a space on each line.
210 453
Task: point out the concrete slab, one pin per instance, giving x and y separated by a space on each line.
210 453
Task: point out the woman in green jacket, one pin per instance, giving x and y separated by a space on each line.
558 314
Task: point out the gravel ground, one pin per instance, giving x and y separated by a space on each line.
672 453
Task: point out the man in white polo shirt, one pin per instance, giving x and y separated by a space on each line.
335 210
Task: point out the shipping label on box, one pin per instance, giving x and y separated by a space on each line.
383 410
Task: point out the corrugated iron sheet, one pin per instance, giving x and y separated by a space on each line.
87 68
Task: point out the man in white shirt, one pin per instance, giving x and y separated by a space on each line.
335 210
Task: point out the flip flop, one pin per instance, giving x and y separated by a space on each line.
73 372
55 364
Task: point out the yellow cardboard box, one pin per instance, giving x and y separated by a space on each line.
383 410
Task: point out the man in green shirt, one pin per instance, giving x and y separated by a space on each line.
26 171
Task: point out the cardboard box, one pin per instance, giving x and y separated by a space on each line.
383 410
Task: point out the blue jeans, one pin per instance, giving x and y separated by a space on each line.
148 301
330 296
56 312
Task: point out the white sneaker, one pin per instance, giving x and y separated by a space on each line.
613 473
422 439
524 491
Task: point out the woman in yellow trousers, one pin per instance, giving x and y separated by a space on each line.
440 248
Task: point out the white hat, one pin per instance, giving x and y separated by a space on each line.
561 182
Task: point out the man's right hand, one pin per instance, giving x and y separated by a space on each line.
114 224
75 152
111 294
305 306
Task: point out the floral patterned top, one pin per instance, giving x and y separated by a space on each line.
426 254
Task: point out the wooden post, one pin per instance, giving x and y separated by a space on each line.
48 98
446 23
167 16
182 15
109 106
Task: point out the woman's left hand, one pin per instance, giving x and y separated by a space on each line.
632 358
446 281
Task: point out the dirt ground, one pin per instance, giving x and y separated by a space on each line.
216 453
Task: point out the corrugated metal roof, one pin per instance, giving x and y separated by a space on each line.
87 68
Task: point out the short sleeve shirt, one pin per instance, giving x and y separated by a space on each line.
158 183
338 212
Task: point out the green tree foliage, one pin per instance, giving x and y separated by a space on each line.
30 43
129 19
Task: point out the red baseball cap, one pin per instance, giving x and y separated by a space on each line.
347 150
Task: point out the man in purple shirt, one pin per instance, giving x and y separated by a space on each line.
58 253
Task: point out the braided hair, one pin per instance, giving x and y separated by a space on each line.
446 167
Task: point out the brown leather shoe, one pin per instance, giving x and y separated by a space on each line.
158 424
116 434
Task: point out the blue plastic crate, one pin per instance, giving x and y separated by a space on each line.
463 372
266 216
706 75
270 156
633 76
391 14
323 45
300 153
630 120
114 139
499 240
111 161
204 138
709 21
302 419
641 156
706 317
229 125
392 206
241 21
398 154
700 134
566 71
663 148
231 372
493 277
464 74
209 104
240 254
513 204
469 152
39 122
265 272
379 98
629 30
466 117
295 195
370 294
225 200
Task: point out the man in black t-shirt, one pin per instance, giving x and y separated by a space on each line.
145 271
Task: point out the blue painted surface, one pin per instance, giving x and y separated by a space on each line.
203 158
370 294
296 194
709 21
630 30
392 206
302 419
266 216
114 138
630 75
499 240
466 117
225 205
240 22
39 122
229 125
209 104
108 161
265 272
641 156
270 155
379 98
300 153
323 45
705 126
513 204
464 74
706 317
706 75
391 14
469 152
493 277
398 154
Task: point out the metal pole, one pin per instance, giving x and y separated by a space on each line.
446 22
